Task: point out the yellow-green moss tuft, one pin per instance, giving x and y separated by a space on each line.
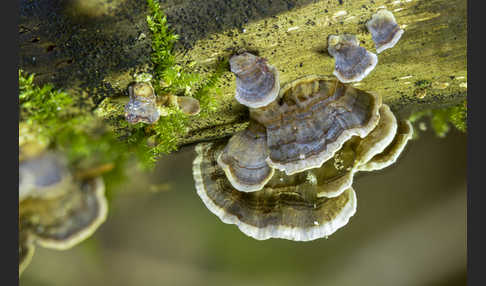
441 119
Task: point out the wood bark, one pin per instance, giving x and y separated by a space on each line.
93 53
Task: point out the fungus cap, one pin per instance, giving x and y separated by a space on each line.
142 105
243 159
66 220
391 153
379 138
352 62
257 82
384 30
286 208
312 119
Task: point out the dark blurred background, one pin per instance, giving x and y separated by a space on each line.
409 229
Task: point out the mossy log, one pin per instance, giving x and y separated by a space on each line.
92 49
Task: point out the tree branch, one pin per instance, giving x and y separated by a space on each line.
98 54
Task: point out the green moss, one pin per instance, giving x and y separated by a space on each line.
423 83
41 105
169 77
441 119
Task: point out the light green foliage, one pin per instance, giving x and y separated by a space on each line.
440 119
169 75
210 88
423 83
41 105
163 40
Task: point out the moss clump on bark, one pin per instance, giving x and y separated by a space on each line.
169 76
441 119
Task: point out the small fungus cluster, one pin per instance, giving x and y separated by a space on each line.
289 174
145 106
56 208
352 62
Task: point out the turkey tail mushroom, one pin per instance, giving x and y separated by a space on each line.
257 82
243 159
352 62
391 153
312 119
287 207
384 30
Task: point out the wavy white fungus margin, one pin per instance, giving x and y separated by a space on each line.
272 231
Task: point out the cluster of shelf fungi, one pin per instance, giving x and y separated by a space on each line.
58 208
289 174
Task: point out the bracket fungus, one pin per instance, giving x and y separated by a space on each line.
312 119
142 106
243 159
286 208
43 176
352 62
384 30
307 205
145 106
257 82
317 134
338 173
61 216
379 138
391 153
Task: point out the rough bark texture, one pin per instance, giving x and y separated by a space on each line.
97 51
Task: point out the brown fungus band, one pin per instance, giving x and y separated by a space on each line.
257 82
65 221
312 119
338 173
379 138
287 207
352 62
391 153
384 30
244 159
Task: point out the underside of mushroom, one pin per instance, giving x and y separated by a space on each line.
287 207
